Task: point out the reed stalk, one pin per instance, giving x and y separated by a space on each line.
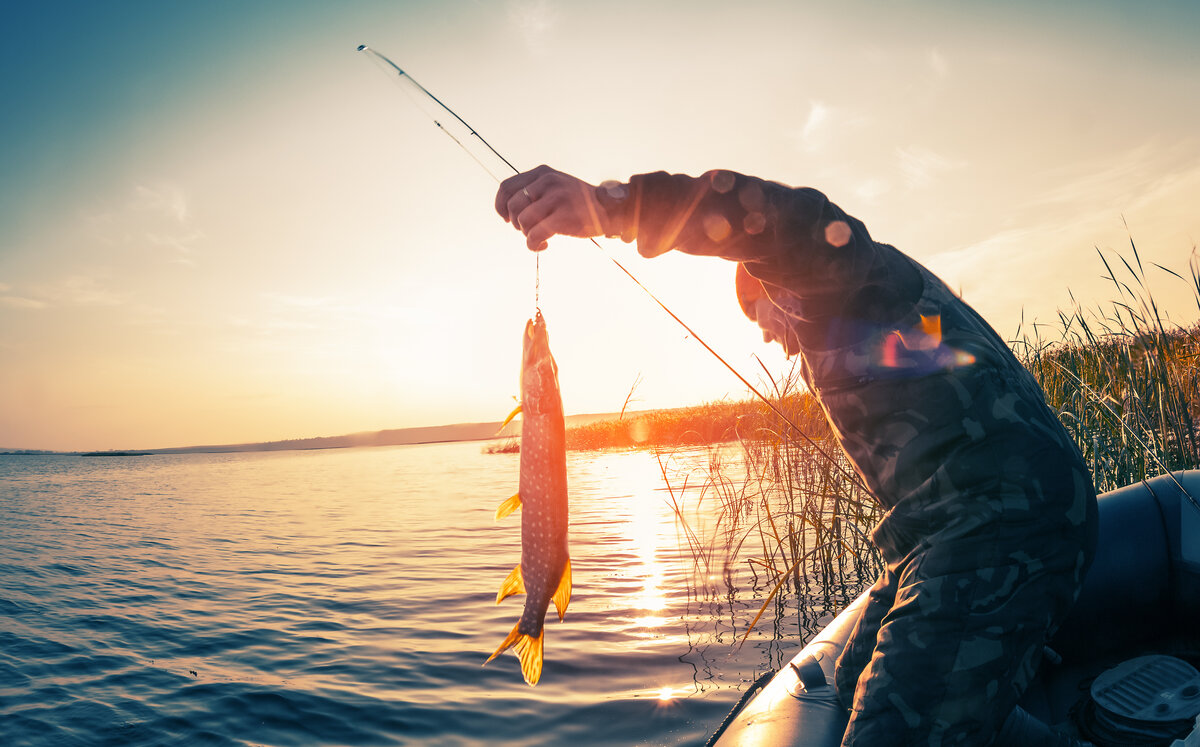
1124 380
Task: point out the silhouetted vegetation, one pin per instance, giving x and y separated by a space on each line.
1124 381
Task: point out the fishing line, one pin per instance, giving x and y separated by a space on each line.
393 66
390 67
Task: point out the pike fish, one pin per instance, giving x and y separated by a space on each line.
544 573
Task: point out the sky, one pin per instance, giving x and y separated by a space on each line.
220 223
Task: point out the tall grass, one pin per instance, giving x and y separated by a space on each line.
1124 380
713 422
789 511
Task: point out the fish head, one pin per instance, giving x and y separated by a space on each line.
539 372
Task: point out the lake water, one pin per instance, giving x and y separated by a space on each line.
347 597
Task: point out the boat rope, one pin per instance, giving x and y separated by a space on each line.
390 67
758 684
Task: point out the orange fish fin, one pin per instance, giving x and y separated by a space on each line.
529 652
562 595
508 420
514 584
510 505
510 640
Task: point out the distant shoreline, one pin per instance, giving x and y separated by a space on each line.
391 437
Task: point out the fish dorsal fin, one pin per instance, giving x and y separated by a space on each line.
511 415
514 584
562 595
508 506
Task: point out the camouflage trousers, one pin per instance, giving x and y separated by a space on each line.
955 627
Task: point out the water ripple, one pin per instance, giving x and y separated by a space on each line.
345 598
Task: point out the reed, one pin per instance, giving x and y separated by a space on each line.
792 515
506 446
1124 380
713 422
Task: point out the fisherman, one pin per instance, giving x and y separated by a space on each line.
990 513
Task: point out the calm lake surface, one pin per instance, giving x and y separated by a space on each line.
347 597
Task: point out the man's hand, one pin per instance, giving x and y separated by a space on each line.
544 202
756 304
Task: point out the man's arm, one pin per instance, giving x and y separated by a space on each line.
819 265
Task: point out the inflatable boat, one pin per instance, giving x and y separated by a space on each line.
1120 671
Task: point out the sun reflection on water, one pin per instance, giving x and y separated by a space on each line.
641 519
644 527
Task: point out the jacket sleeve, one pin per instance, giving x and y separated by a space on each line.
819 265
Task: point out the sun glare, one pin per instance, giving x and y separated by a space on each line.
644 529
641 518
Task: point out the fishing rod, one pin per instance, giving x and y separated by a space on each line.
389 67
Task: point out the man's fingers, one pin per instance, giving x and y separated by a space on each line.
542 203
509 189
528 215
502 196
538 236
543 220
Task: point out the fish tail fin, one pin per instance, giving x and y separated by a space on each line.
513 584
562 595
529 652
508 506
508 420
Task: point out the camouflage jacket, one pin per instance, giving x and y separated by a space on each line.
925 398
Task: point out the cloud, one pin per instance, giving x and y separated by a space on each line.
78 290
815 126
1051 247
919 166
155 218
533 20
287 312
166 199
872 189
937 63
73 290
1119 178
20 302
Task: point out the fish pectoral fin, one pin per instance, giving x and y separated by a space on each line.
511 415
514 584
508 506
562 595
529 652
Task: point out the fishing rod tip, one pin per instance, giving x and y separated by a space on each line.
362 47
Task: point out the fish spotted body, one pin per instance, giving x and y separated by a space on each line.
544 573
